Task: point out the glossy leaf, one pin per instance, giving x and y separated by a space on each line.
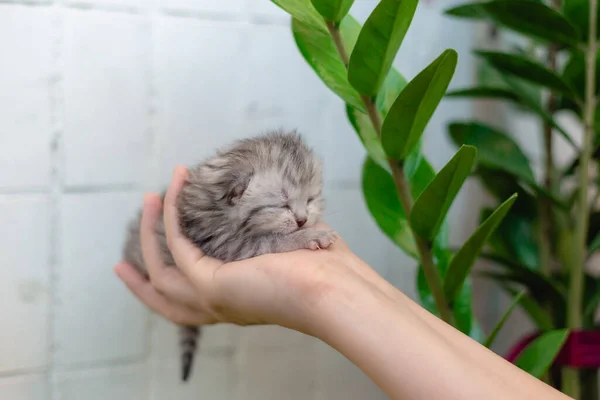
392 86
594 226
320 52
495 149
463 306
483 92
410 113
526 69
382 201
462 309
528 17
502 185
539 316
333 10
378 43
349 31
591 307
543 290
537 357
303 10
418 171
595 245
431 207
490 339
522 274
574 73
364 128
465 257
578 13
516 237
531 99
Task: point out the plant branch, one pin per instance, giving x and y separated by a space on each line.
431 274
575 299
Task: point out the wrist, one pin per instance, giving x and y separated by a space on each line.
343 305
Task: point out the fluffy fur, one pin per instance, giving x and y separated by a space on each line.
260 195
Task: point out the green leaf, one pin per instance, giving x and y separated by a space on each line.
516 237
410 113
462 309
392 86
320 52
483 92
502 185
528 17
349 31
595 245
431 207
378 43
463 306
304 11
463 260
495 149
591 307
333 10
574 73
537 357
591 298
382 201
490 340
531 98
364 128
543 290
539 316
526 69
418 171
578 13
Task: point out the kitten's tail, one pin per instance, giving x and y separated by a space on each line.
188 341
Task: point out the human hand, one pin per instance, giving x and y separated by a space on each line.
284 289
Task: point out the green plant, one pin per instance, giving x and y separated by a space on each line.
409 201
545 241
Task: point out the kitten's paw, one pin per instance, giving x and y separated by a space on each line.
322 240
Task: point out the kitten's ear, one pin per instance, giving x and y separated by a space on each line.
238 187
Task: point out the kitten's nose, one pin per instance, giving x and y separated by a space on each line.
300 222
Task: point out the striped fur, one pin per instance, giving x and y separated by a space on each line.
260 195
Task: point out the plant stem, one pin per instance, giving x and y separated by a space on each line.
431 274
575 299
546 216
546 228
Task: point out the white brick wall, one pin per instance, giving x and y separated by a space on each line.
99 100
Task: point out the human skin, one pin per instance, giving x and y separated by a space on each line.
329 294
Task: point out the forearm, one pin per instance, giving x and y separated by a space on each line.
410 355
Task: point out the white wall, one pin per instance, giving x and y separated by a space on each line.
99 99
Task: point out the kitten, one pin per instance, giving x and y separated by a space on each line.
260 195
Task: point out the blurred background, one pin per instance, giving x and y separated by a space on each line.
99 99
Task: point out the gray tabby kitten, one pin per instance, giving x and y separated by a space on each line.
261 195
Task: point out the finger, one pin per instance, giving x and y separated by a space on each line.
184 252
144 291
177 287
149 242
165 279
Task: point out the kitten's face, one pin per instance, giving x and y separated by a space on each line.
272 203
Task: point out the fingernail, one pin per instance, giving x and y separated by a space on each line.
180 170
149 198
